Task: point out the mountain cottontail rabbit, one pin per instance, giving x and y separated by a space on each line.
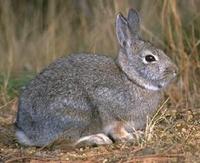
93 99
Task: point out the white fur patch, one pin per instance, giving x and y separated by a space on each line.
98 139
151 87
22 138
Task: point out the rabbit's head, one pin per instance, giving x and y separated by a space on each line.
144 64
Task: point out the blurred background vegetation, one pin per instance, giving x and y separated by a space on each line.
33 33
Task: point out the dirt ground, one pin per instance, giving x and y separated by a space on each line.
172 136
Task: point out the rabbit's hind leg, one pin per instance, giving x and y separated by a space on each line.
23 139
93 140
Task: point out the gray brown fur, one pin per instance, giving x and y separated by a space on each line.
88 94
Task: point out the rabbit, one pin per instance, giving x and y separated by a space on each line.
92 99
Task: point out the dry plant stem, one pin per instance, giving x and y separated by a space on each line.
150 125
154 120
27 157
9 102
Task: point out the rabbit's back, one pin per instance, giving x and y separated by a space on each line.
70 75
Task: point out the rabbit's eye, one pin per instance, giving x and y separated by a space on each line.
150 58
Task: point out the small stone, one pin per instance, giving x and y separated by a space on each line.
184 130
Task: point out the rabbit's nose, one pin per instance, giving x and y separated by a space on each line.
175 70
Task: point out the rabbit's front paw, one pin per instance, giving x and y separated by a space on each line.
127 137
97 139
117 132
119 137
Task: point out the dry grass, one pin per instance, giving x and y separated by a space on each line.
34 33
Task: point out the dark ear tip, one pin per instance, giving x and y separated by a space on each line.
133 15
120 16
133 11
119 13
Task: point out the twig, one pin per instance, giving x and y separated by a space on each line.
12 160
7 103
161 157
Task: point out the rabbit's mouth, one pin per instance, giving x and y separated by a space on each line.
167 81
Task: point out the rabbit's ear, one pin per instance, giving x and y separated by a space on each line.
122 30
133 22
127 29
